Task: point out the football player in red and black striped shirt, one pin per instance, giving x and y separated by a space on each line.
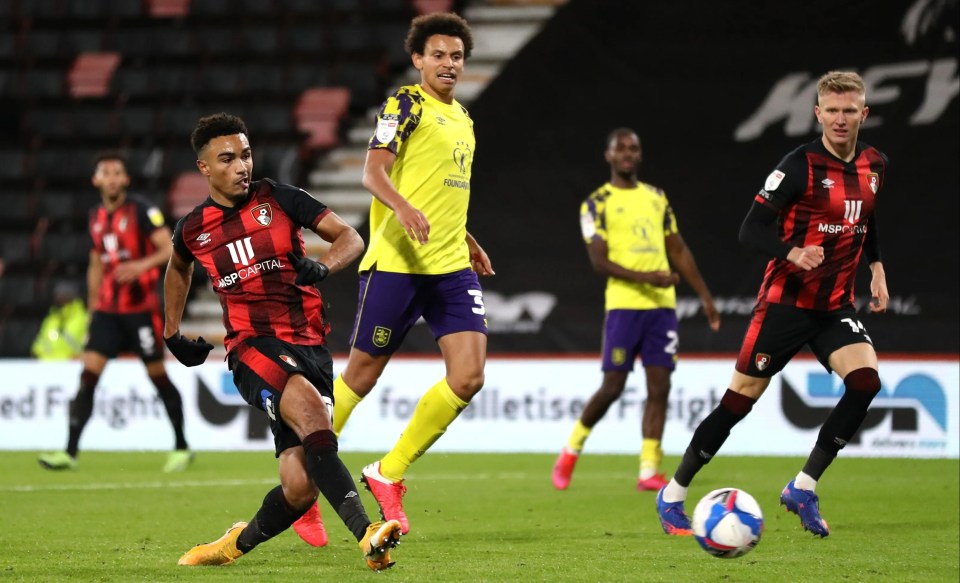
130 243
247 237
815 216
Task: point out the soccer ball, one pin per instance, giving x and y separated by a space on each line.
727 523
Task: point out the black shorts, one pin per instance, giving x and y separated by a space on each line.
777 332
140 332
261 367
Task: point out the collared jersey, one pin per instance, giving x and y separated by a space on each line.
822 200
124 235
634 223
434 144
244 251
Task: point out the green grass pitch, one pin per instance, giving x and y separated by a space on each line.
475 518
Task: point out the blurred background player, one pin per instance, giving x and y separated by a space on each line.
421 260
64 328
631 233
247 237
130 243
814 216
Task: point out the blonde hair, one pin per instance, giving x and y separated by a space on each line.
840 82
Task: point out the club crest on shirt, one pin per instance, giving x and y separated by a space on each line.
263 214
873 180
387 127
774 180
289 360
762 361
381 336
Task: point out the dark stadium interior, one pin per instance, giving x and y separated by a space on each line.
596 65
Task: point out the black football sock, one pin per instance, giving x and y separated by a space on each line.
332 478
710 435
173 403
81 408
275 516
860 387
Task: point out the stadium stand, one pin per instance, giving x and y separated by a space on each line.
80 76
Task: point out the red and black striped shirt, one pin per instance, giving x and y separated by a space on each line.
244 251
821 200
124 235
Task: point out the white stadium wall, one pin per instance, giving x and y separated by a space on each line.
527 405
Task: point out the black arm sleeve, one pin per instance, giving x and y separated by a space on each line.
759 232
871 243
178 244
299 205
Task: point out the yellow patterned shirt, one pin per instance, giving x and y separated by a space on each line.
634 223
434 144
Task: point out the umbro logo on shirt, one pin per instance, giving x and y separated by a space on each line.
204 238
827 183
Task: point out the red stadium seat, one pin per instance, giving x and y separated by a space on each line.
428 6
318 113
168 8
187 191
91 74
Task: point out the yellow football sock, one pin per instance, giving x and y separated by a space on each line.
578 436
344 400
650 457
435 411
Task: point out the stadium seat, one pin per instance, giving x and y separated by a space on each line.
188 190
137 120
91 74
11 164
318 113
41 83
322 103
428 6
57 205
16 248
17 290
43 43
167 8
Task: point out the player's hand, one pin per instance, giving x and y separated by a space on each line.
189 352
806 258
414 222
713 316
128 271
660 278
479 260
880 297
309 271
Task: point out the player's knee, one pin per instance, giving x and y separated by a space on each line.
863 381
466 385
361 379
301 493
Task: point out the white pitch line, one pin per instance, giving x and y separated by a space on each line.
136 485
460 477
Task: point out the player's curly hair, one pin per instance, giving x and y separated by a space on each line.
445 23
214 126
